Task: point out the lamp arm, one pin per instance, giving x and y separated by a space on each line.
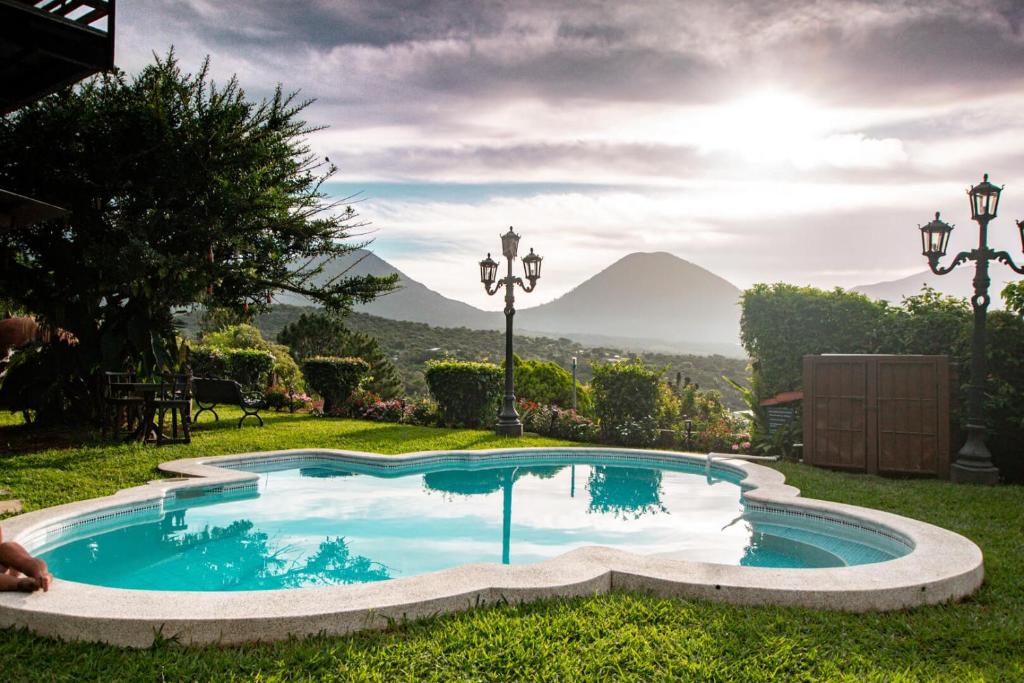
1004 257
526 288
933 263
491 291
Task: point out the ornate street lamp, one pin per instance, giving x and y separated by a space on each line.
973 462
508 418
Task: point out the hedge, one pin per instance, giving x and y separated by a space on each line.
547 383
467 394
334 378
249 367
781 323
626 398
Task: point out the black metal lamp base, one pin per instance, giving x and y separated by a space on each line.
509 428
973 464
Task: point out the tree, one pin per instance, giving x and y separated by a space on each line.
315 334
322 334
1013 295
180 192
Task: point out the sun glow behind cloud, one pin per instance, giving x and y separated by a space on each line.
802 140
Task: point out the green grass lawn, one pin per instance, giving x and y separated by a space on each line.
614 637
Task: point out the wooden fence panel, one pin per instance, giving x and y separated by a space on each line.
877 414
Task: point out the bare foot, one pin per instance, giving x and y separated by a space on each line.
42 576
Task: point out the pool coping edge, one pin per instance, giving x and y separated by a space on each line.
942 566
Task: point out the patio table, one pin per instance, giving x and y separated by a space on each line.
147 425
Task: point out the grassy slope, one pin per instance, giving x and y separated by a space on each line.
616 637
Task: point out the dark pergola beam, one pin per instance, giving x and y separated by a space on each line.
41 52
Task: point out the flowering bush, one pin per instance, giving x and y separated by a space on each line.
422 412
355 405
276 397
642 432
300 402
561 423
392 410
279 398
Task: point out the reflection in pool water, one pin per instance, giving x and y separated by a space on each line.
322 525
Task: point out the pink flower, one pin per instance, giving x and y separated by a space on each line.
746 444
735 446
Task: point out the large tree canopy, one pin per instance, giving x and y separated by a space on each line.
180 192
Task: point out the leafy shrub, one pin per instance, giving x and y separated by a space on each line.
300 402
928 323
207 361
277 399
391 410
467 393
560 423
249 367
284 370
322 334
334 378
547 383
357 402
626 402
669 410
38 379
422 412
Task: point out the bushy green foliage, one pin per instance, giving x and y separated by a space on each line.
626 401
36 383
1013 295
668 413
409 345
467 393
560 423
316 333
159 171
284 369
1005 397
334 378
782 323
382 377
250 367
206 361
322 334
547 383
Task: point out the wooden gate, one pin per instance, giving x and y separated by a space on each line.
877 414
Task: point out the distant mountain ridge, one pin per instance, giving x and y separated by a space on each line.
649 297
650 301
958 283
413 301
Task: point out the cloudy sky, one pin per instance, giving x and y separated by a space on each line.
764 140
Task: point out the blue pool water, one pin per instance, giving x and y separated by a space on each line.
323 523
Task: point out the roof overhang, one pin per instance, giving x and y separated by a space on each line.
17 211
46 45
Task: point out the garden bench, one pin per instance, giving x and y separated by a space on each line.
209 393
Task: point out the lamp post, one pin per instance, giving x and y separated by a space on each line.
974 461
574 383
508 418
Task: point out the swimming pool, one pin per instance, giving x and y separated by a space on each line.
268 545
322 523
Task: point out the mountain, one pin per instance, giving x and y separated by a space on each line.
643 301
657 299
412 300
958 283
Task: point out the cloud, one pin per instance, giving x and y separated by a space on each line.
766 139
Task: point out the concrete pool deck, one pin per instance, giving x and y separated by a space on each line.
940 566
